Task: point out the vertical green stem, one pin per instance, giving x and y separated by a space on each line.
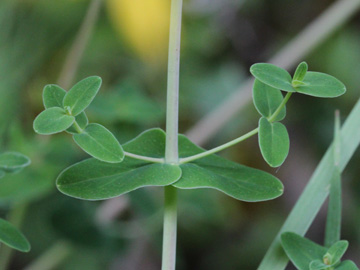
172 122
16 217
172 110
170 228
333 220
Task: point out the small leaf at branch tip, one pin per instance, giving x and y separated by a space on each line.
53 96
300 72
82 94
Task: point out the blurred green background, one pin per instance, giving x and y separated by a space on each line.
128 49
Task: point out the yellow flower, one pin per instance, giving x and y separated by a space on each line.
145 26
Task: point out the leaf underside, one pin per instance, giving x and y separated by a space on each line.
95 180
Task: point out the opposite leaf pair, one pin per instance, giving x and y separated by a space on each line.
307 255
273 137
64 111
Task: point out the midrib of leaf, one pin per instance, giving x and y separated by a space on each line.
315 192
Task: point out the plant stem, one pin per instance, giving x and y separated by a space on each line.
239 139
77 127
281 106
333 220
170 228
172 126
219 148
16 217
172 110
150 159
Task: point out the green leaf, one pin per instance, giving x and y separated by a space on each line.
53 96
272 75
321 85
2 174
347 265
335 252
53 120
301 251
13 161
299 74
82 120
81 94
273 141
12 237
100 143
318 265
95 180
267 99
238 181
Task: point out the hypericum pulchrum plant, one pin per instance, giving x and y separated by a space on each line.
12 162
158 158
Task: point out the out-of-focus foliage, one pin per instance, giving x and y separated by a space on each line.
128 49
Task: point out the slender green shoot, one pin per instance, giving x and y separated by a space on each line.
172 127
239 139
333 221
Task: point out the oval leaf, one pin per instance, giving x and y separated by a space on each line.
53 120
321 85
81 120
272 75
81 94
95 180
12 237
301 251
267 99
335 252
347 265
53 96
274 142
100 143
235 180
13 161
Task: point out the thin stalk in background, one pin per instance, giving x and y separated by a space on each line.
172 123
293 52
52 258
16 217
75 54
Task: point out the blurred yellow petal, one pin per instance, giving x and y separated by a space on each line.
145 26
